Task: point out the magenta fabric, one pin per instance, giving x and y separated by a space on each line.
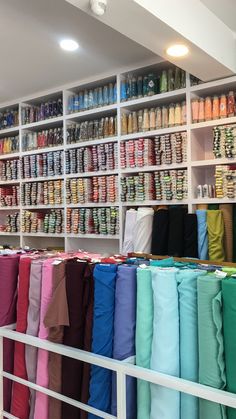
42 379
8 292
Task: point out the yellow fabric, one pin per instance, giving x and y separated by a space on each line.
202 206
227 210
215 227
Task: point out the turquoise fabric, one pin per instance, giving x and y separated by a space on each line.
202 234
165 403
211 344
168 262
144 326
187 289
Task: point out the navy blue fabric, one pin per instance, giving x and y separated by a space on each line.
124 333
103 333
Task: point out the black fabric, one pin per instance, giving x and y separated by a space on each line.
190 236
160 231
176 231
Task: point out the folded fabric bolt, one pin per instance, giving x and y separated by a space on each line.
160 232
202 234
130 221
143 230
215 226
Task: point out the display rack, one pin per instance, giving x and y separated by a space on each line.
200 162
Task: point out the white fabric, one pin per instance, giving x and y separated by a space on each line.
143 230
130 221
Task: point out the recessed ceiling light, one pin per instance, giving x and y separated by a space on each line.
69 45
177 50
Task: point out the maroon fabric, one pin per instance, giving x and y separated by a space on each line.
20 393
88 301
72 370
8 293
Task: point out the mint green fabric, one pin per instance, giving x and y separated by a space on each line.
229 316
144 333
165 403
188 313
164 263
211 345
230 271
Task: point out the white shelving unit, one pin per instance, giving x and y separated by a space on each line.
200 162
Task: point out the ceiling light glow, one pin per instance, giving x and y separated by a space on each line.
177 50
69 45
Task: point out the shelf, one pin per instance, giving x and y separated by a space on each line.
214 122
38 234
6 131
93 205
96 111
159 98
214 87
212 162
42 179
154 203
43 150
92 174
6 233
154 133
92 142
9 182
50 207
93 236
9 208
213 201
11 156
154 168
47 123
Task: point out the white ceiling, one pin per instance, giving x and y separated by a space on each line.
31 59
225 10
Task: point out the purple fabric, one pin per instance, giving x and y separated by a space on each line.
124 332
8 292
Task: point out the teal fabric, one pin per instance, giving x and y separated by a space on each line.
165 403
144 327
165 263
211 345
187 289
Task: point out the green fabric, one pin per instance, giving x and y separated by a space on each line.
144 327
211 345
213 206
229 318
234 233
215 227
163 263
230 271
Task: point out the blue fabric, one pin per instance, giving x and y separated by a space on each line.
165 403
188 314
124 333
165 263
102 338
202 234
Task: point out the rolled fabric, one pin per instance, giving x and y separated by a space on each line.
234 233
227 210
160 231
202 234
163 263
165 403
57 316
215 228
143 338
33 325
42 378
8 292
72 370
190 236
229 324
188 315
143 230
124 332
176 231
103 333
130 221
20 393
211 344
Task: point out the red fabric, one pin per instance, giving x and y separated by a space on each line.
20 393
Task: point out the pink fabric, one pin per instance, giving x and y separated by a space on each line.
42 379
